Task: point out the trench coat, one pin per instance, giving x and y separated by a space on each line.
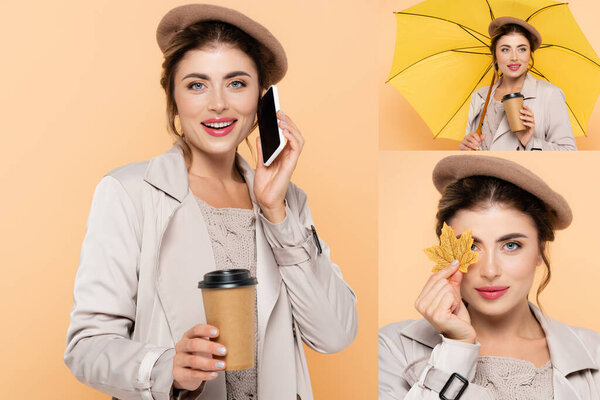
552 125
415 361
145 250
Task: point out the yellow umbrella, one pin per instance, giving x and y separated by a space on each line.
442 55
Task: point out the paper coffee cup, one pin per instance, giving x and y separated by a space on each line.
229 297
513 103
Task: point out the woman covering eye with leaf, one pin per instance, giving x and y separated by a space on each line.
480 338
544 113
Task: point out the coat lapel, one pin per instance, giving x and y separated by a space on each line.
185 251
567 352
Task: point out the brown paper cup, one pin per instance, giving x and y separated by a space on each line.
513 103
232 309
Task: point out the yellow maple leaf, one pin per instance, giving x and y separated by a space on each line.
452 248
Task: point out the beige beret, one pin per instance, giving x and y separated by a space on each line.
181 17
498 22
454 168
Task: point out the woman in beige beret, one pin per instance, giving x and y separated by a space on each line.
138 328
544 113
480 338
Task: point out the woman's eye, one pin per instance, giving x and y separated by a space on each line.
474 247
511 246
196 86
237 84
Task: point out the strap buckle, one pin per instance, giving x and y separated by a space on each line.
449 382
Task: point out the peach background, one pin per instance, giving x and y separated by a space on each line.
407 207
80 96
401 128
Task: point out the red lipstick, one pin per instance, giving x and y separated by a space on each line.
218 126
492 292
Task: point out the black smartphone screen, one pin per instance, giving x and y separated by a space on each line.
267 125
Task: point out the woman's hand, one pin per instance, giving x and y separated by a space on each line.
529 121
271 183
471 141
441 304
192 363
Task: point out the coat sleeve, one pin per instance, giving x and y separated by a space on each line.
323 305
99 350
559 133
397 381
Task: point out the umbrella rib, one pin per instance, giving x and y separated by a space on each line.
465 28
471 52
490 8
456 112
458 50
537 72
545 46
544 9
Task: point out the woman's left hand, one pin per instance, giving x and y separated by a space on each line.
529 121
271 183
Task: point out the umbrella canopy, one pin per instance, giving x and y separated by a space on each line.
442 55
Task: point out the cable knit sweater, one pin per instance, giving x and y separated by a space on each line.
512 379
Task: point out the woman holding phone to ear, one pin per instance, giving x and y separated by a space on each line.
544 113
480 338
155 228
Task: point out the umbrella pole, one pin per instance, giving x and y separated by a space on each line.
487 100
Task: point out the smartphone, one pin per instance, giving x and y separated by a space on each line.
272 140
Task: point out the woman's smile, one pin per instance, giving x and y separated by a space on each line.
219 126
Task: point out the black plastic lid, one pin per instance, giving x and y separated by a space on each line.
227 279
511 96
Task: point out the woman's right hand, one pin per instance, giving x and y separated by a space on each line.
471 141
192 363
441 304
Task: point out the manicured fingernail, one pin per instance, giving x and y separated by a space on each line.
213 374
283 122
222 350
214 332
282 113
454 263
220 364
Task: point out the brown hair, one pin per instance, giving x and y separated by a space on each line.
197 36
508 29
480 192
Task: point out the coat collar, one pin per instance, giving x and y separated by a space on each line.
567 352
529 89
168 173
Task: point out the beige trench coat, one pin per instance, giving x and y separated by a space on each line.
552 125
145 250
415 361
